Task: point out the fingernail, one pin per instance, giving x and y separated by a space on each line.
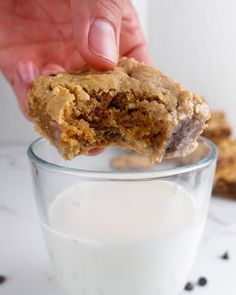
102 40
27 71
54 70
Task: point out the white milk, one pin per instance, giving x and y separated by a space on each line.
123 239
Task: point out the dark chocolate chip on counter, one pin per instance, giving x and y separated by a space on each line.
225 256
189 286
202 281
2 279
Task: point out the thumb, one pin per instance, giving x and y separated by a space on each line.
96 26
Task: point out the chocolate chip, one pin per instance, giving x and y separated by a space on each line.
52 75
202 281
189 286
2 279
225 256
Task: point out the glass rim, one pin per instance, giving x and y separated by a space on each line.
124 176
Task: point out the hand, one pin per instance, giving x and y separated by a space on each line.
42 37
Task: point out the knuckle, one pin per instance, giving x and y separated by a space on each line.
111 7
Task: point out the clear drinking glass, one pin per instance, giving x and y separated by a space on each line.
129 232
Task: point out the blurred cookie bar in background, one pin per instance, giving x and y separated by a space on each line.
225 178
218 127
219 131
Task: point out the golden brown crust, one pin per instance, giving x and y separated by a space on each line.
135 106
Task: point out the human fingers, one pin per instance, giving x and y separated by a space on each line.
96 26
132 40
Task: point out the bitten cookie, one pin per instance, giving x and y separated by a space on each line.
135 106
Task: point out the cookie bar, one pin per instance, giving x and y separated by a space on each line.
134 106
225 178
227 152
218 128
225 183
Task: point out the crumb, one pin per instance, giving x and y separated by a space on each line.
225 255
202 281
2 279
189 286
131 161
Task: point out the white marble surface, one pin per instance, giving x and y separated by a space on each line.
24 260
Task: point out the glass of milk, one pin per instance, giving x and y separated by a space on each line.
122 232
